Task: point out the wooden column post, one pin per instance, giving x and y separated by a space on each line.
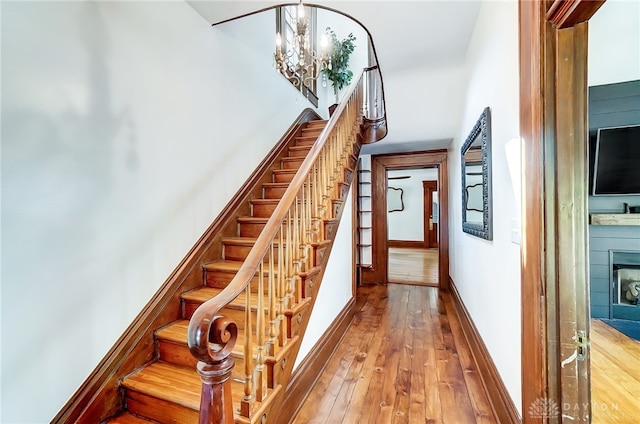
211 341
215 401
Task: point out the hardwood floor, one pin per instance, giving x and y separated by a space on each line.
615 376
403 360
413 266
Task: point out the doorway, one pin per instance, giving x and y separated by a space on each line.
411 230
613 260
553 72
405 162
431 213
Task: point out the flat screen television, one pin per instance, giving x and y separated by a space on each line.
616 168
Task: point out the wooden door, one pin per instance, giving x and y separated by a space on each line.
430 215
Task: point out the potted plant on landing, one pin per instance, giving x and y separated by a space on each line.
337 72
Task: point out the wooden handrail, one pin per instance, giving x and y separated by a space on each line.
293 227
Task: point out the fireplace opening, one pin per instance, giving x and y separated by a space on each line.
625 283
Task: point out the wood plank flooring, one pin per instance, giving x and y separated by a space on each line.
403 360
413 266
615 376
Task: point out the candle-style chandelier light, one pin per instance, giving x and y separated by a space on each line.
298 62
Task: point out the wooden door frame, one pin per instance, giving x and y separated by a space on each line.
553 47
426 201
378 273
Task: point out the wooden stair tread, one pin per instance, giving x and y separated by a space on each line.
252 219
127 418
175 332
300 148
223 265
306 141
265 201
168 382
285 171
279 185
228 266
176 384
240 241
205 293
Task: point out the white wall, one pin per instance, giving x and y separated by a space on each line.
487 273
409 223
405 92
614 43
337 285
128 126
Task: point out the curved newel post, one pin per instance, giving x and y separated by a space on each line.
215 366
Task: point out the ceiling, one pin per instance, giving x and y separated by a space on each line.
421 48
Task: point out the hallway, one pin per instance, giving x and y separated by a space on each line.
403 360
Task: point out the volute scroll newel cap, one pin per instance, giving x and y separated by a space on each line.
212 341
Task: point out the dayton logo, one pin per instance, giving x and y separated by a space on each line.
544 408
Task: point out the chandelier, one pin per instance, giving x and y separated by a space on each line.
298 62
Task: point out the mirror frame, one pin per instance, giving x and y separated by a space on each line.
481 129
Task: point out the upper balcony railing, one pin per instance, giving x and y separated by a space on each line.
375 114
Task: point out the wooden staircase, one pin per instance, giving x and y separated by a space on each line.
168 389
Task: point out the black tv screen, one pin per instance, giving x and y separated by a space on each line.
616 169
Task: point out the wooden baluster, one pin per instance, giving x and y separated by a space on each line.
325 184
282 275
247 400
308 230
297 262
273 305
261 373
316 224
334 158
289 265
318 189
302 227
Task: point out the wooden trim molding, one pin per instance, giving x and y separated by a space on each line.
306 375
532 126
378 273
408 244
501 403
567 13
99 395
552 66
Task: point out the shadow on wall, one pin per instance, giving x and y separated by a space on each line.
58 159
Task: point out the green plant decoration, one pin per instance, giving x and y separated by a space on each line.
338 72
